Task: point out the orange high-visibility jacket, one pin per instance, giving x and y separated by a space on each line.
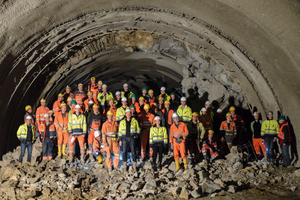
61 121
79 97
42 131
228 130
40 112
56 107
182 131
170 113
110 129
147 121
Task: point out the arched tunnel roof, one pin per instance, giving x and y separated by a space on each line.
246 49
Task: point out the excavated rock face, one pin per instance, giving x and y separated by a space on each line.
218 50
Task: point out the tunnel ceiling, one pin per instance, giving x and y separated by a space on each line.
144 45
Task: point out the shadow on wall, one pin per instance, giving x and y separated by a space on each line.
294 152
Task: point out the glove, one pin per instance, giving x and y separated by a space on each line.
178 140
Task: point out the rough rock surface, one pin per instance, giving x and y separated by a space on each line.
59 179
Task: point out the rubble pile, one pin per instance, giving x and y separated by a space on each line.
60 179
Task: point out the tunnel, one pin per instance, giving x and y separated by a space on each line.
246 50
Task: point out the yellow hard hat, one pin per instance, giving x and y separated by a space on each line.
95 106
228 115
150 92
93 78
167 102
146 106
154 104
60 95
89 92
80 84
232 108
68 87
69 99
110 113
63 104
43 100
141 98
195 114
210 131
27 107
100 83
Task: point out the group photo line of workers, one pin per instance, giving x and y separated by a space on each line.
98 124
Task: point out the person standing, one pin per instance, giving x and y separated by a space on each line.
29 112
158 141
40 112
68 94
196 134
48 134
80 96
61 124
257 140
25 134
110 140
269 132
228 131
57 104
121 111
284 141
94 123
126 93
184 112
77 130
178 134
128 130
104 97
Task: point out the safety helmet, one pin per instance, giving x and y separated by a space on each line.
68 87
203 109
144 88
118 93
156 118
162 88
60 95
100 83
132 96
127 110
167 102
43 100
219 110
141 98
69 99
210 131
183 99
150 92
228 115
97 133
104 86
195 114
73 102
93 78
46 115
146 106
95 106
63 104
91 102
270 113
175 115
124 99
27 107
282 118
80 84
28 117
232 108
110 113
125 85
77 106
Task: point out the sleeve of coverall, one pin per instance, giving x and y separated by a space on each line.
19 132
165 137
84 125
70 124
202 131
151 136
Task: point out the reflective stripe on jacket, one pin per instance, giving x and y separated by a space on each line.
182 131
134 128
200 129
158 135
42 131
22 132
77 124
185 115
269 127
120 113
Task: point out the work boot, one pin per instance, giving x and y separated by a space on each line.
19 164
82 159
28 163
64 150
185 163
71 158
59 151
125 166
100 159
177 165
134 166
92 157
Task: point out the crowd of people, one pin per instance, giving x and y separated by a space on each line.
148 126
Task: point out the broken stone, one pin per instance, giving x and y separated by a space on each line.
209 187
231 189
238 165
195 194
174 191
148 189
184 194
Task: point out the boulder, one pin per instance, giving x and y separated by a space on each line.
184 194
209 187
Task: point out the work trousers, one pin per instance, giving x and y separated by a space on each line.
81 141
193 147
206 151
47 149
128 141
158 148
112 146
269 146
286 154
259 146
179 148
144 142
62 137
24 145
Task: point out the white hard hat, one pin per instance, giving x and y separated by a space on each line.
118 93
156 118
203 109
125 85
28 117
77 106
207 102
91 102
183 99
219 110
97 133
124 99
162 88
104 86
45 115
174 115
255 113
127 110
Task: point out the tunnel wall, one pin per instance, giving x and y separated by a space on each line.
267 34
